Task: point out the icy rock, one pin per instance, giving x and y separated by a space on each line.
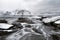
46 20
5 26
49 20
57 22
23 23
34 17
6 31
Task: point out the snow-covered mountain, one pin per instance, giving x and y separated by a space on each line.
16 12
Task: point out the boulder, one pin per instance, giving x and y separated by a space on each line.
17 25
29 26
52 19
3 21
26 20
5 26
57 23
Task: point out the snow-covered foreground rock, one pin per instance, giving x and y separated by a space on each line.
57 22
53 19
5 26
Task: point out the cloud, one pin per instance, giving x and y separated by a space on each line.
17 4
47 6
35 6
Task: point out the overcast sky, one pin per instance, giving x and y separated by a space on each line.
32 5
16 4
